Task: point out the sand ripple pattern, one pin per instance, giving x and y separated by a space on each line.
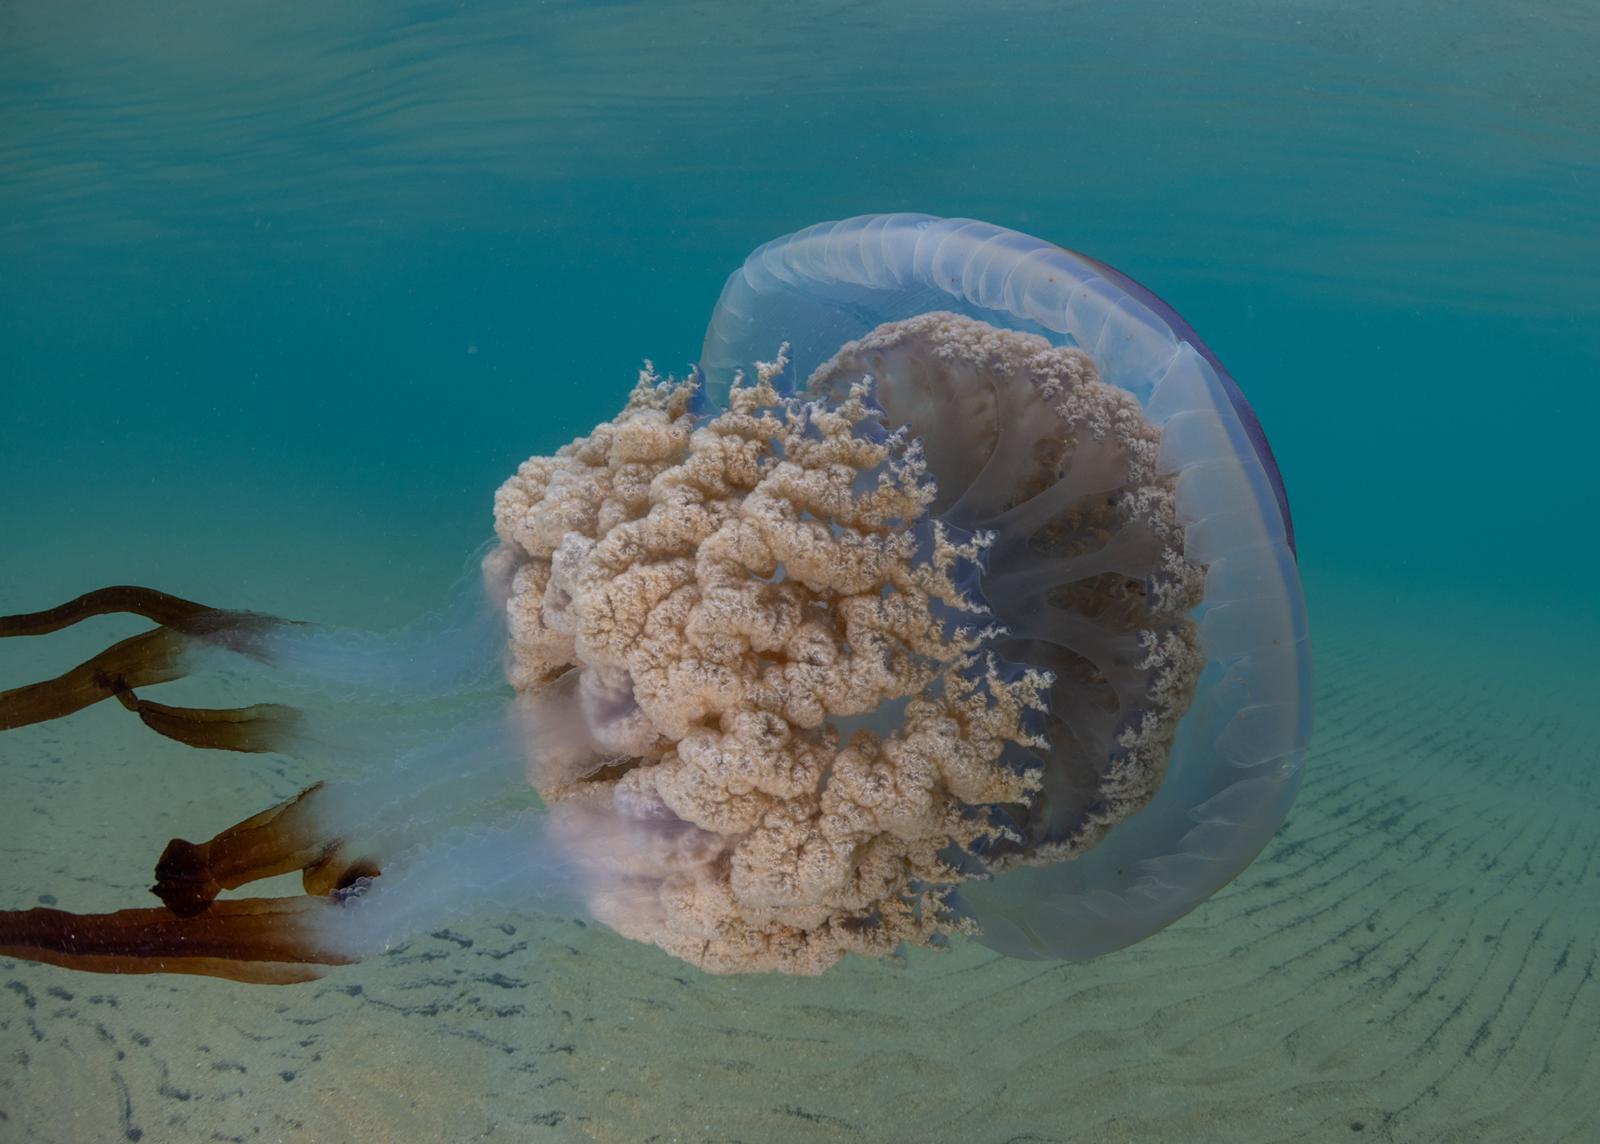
1414 958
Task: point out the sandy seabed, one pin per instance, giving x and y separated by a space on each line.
1413 958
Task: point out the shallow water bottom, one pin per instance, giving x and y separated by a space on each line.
1413 958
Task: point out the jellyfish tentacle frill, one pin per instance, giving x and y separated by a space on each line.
830 718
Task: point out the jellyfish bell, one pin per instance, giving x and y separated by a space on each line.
973 610
1235 763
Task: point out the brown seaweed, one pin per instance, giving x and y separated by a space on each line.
266 940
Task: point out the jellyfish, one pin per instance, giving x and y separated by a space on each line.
954 592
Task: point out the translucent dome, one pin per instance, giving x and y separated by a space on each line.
1236 762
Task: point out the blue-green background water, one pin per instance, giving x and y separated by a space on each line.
286 290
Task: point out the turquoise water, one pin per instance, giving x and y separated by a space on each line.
284 294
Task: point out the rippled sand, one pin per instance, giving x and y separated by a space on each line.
1413 958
